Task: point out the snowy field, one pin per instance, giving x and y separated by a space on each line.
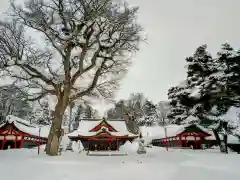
157 164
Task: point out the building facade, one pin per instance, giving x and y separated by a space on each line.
188 136
102 134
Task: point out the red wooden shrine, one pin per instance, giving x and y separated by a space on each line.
103 136
191 136
12 137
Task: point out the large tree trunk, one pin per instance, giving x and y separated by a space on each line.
54 139
56 131
222 143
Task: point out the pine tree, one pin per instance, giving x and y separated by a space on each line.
111 114
78 114
149 108
178 111
88 112
191 99
219 86
228 58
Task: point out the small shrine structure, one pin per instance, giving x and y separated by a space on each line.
102 134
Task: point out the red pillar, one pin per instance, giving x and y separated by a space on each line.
15 144
117 144
200 141
166 144
195 140
3 142
185 141
88 145
21 142
95 146
180 139
39 145
109 144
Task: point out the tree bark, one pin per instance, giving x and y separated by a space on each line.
222 143
54 140
56 131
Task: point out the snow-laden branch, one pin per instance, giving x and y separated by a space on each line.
81 38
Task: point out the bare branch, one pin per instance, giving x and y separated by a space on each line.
81 39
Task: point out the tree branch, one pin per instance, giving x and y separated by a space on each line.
92 86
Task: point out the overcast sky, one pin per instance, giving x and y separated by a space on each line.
175 28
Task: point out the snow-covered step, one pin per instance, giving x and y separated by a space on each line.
106 153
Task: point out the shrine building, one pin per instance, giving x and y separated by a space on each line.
100 135
190 135
18 133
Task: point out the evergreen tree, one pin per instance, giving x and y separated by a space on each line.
88 112
219 86
193 98
211 86
78 114
178 111
228 59
200 66
149 108
111 113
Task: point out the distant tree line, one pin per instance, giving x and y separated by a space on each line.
13 101
139 109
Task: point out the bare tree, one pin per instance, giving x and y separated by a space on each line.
162 112
132 110
87 48
12 102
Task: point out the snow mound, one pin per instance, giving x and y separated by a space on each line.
151 132
129 147
77 146
65 142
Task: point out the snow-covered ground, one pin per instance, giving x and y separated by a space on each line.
25 164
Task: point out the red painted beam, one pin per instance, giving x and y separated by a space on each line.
15 143
3 142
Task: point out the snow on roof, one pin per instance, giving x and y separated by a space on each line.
11 119
231 138
86 125
28 128
158 132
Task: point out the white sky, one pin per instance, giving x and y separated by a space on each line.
175 28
